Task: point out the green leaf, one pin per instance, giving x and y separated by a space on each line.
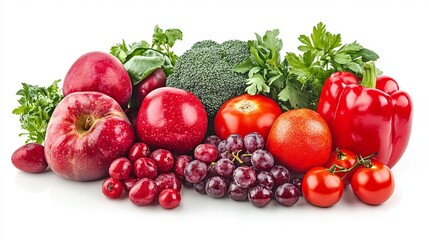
244 66
307 43
120 51
139 67
355 68
256 85
173 35
342 58
351 48
254 70
256 57
368 55
294 96
36 107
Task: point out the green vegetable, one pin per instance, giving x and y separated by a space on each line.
206 71
36 107
296 82
140 59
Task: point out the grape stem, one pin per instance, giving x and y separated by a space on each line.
236 156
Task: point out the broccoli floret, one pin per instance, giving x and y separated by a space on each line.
206 71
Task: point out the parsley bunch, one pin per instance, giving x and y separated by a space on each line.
36 107
297 80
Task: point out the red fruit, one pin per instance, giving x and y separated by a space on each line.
145 168
373 185
86 132
245 114
138 150
180 164
172 119
300 139
112 188
321 187
168 181
120 168
30 158
99 72
169 198
155 80
143 192
129 183
164 160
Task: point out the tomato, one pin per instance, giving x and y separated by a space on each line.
321 187
245 114
373 185
343 158
300 139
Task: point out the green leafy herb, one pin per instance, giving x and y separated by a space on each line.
36 107
164 41
141 58
296 82
324 54
268 74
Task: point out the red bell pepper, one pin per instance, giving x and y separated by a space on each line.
367 116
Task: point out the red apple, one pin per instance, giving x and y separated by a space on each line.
172 119
99 72
87 131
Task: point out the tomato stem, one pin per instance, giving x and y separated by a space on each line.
366 161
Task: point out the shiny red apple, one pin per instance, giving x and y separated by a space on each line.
172 119
87 131
99 72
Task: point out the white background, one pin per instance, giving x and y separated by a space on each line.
41 39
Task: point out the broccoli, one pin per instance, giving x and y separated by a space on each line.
206 71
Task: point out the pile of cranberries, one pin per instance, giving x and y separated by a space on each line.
146 176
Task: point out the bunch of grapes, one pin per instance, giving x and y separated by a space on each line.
242 169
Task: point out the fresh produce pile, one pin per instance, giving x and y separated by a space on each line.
232 119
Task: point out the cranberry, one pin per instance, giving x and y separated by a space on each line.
30 158
120 168
112 188
169 198
145 167
138 150
206 152
129 183
180 164
164 160
168 181
143 192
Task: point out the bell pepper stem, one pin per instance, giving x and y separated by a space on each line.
369 75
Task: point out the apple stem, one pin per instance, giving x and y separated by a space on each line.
88 123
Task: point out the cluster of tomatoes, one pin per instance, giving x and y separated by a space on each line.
372 182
